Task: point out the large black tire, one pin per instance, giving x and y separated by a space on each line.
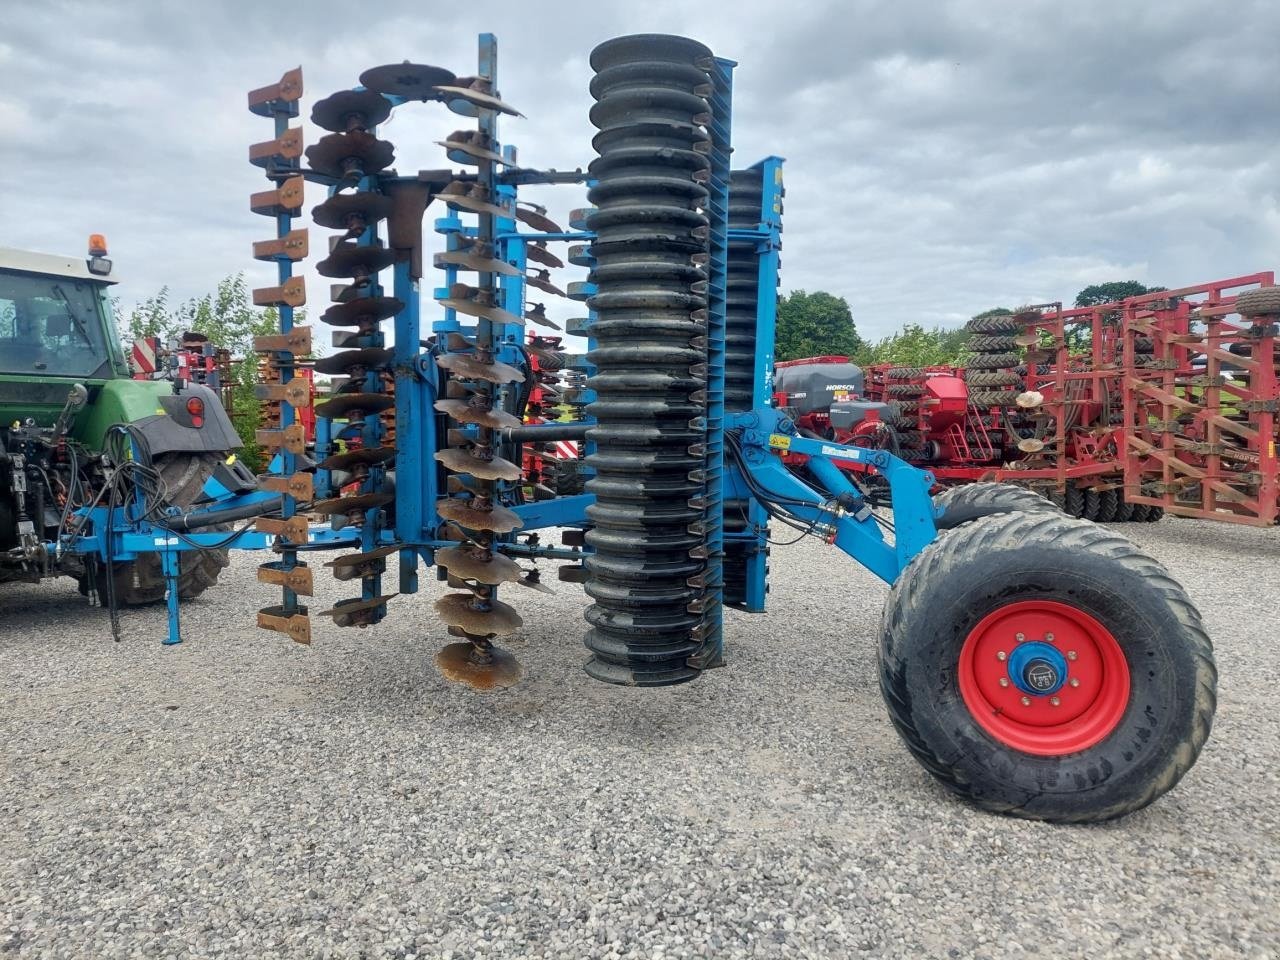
1108 501
1073 501
973 572
1124 509
1262 302
142 581
566 478
973 501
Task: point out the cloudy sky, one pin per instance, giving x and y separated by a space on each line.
942 157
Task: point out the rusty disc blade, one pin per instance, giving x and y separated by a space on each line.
330 155
467 260
463 461
538 314
472 203
542 281
463 100
463 412
344 403
350 110
359 502
463 147
357 612
458 663
467 299
341 209
480 618
361 310
539 253
352 565
468 563
534 582
341 363
462 512
369 456
469 367
413 81
348 259
536 217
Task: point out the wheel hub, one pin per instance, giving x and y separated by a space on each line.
1037 668
1043 677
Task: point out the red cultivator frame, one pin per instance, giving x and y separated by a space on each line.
1165 402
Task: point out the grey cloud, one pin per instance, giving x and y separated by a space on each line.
941 157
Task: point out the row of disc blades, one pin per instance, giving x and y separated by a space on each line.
475 400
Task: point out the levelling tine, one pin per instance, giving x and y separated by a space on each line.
292 438
298 579
295 529
292 246
358 612
297 626
300 486
297 340
292 293
297 392
288 89
283 150
286 199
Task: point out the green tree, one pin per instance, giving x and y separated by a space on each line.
1110 292
814 325
914 346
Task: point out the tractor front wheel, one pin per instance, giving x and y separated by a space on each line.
1046 668
142 581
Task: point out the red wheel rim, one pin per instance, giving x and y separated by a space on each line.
1082 712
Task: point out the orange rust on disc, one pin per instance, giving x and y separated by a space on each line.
539 253
468 563
463 412
460 610
457 663
498 520
462 461
468 367
359 502
535 215
367 456
344 403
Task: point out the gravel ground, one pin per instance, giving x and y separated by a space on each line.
242 796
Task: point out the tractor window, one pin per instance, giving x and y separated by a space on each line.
51 326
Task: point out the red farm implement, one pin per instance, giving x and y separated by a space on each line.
1165 402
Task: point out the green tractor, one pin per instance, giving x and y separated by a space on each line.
70 414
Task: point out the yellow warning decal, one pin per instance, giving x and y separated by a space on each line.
779 442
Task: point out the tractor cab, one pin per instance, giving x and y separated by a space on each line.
56 329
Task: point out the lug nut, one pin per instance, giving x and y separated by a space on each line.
1071 654
1075 681
1004 681
1054 702
1048 638
1001 655
1026 701
1020 637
